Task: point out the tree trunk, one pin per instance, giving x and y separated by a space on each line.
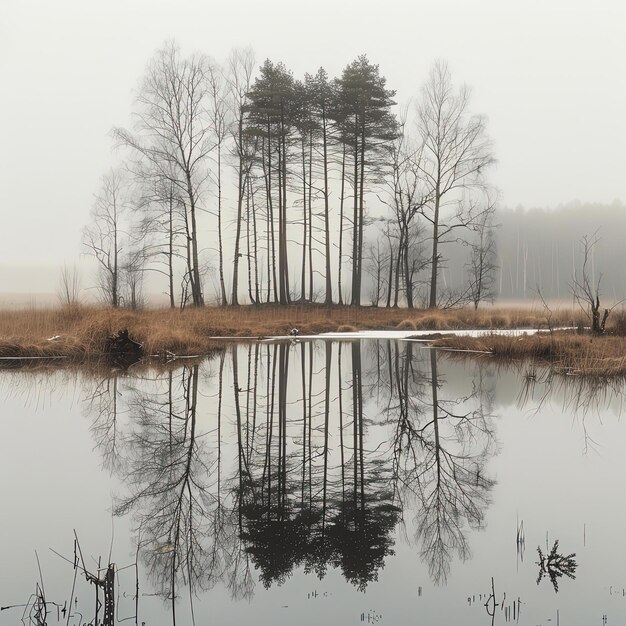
170 252
281 230
408 276
248 247
310 216
341 201
361 212
396 289
355 219
196 286
219 223
284 208
390 279
432 303
304 224
257 294
329 286
235 297
114 276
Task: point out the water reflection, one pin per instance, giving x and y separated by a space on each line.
170 473
296 455
441 445
555 565
580 396
274 460
302 501
101 397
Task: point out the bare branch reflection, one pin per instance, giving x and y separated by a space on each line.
169 474
440 450
280 459
579 396
102 406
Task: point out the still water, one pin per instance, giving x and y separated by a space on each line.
313 482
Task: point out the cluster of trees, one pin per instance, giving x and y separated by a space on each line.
313 189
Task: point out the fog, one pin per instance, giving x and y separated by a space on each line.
549 78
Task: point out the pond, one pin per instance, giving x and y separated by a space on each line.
303 482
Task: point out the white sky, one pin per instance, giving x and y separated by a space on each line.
550 76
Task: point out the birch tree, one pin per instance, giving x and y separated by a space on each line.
104 234
240 69
405 196
482 265
219 116
456 151
173 133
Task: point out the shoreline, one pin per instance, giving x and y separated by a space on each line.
80 335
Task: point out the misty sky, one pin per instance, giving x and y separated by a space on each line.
548 74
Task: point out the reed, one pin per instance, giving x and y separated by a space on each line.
563 351
79 333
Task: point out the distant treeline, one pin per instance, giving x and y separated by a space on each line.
542 249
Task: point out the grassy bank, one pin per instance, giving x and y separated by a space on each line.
563 352
80 334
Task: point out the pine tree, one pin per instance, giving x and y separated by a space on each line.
368 127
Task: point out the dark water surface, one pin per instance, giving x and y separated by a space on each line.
314 482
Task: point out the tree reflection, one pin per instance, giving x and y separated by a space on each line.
301 503
281 461
579 396
365 514
168 474
102 406
440 450
555 565
454 487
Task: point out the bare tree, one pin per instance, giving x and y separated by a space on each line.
162 227
174 135
103 236
240 69
455 153
586 289
219 115
69 286
133 267
482 266
406 197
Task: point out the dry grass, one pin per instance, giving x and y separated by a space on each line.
83 331
565 352
80 335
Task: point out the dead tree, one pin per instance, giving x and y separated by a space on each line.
586 289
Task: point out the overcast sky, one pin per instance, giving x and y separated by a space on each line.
550 76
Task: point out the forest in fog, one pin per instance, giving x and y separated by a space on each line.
237 182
